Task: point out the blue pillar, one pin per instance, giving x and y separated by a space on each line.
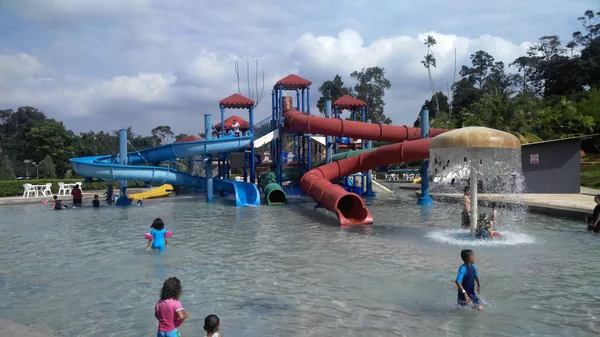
123 199
328 139
251 113
369 193
309 145
222 119
280 138
425 198
298 99
208 166
303 93
336 114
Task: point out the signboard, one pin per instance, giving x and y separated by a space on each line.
534 159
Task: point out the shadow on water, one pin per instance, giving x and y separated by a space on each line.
261 306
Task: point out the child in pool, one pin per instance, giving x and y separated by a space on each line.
484 230
494 215
212 325
466 213
168 310
158 232
465 281
96 202
57 204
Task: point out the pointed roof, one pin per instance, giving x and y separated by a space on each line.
191 138
348 103
244 125
236 101
292 82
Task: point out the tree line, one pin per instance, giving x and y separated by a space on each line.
554 93
30 142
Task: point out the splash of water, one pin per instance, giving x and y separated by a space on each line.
461 237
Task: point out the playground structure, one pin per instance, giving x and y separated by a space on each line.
337 180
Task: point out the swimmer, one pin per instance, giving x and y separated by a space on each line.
484 230
212 326
158 233
96 202
168 310
57 204
465 281
466 213
494 215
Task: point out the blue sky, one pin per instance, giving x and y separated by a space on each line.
112 63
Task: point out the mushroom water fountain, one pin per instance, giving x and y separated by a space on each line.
485 158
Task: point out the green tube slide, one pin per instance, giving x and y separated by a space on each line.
273 192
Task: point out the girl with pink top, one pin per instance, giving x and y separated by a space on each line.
168 309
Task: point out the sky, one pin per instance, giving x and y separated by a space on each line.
110 64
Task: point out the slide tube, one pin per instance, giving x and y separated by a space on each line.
350 207
274 193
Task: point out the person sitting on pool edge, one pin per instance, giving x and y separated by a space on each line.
466 213
594 220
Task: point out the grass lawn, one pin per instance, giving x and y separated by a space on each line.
590 176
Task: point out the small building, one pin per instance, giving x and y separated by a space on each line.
554 166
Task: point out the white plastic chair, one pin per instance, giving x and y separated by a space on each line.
47 191
28 189
62 189
238 178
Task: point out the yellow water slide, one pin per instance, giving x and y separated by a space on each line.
159 192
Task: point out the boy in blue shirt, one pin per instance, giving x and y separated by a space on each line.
465 281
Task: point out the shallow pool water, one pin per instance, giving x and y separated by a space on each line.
291 271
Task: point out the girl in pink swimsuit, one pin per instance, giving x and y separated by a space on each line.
168 309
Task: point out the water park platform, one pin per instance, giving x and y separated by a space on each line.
8 328
576 206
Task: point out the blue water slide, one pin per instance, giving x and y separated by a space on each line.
107 167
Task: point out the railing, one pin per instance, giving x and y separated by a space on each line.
263 127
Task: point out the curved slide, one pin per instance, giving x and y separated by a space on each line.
107 167
350 207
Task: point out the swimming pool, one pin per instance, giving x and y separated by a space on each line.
291 271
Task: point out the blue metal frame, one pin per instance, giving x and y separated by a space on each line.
425 198
208 166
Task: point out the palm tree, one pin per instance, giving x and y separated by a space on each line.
428 63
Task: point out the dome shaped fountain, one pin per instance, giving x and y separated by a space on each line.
482 156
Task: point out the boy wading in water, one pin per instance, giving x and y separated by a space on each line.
465 281
466 213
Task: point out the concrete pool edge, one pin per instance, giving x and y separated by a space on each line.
10 328
562 204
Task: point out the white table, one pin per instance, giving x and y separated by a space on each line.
40 189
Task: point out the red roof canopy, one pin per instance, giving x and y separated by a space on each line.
244 126
191 138
292 82
236 101
348 103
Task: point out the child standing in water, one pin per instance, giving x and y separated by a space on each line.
168 310
158 232
57 204
212 325
466 213
465 281
96 202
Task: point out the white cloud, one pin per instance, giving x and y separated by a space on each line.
108 64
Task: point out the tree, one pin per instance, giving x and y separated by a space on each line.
431 105
47 168
332 90
53 139
6 171
16 125
482 64
370 88
428 63
561 120
591 23
590 63
161 134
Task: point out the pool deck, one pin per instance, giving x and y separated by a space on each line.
576 206
8 328
87 196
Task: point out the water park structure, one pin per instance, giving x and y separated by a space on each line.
338 183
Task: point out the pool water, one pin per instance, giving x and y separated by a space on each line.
291 271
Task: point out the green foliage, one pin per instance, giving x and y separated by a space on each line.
47 170
6 171
562 120
15 187
51 138
590 176
371 88
332 90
